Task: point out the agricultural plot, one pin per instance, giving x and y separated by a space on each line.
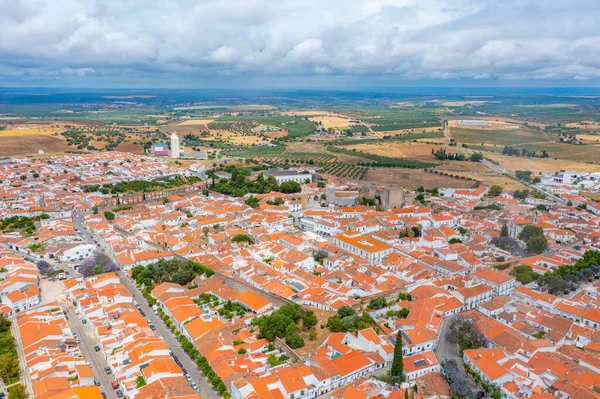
412 179
332 121
498 136
254 152
243 127
305 158
295 126
383 161
390 139
570 152
538 165
399 119
345 171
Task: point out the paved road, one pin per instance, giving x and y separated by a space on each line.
25 378
502 171
88 341
447 349
204 386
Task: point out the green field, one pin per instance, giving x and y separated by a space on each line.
295 126
499 136
571 152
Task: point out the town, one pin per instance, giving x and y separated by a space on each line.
131 276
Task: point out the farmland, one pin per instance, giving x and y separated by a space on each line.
412 179
383 161
501 137
537 165
346 171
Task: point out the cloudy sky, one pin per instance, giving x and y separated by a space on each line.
299 43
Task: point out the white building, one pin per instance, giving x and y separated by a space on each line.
283 176
175 151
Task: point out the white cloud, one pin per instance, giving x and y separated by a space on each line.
405 39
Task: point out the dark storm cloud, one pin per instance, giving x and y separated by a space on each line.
382 39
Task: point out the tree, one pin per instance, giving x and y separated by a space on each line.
18 392
345 311
252 202
524 175
467 334
534 237
290 187
349 323
495 190
242 238
44 267
476 157
9 367
334 324
309 319
397 362
320 254
504 230
95 209
294 341
312 335
109 215
521 194
537 244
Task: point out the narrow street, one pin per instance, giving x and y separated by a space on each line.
97 359
447 349
205 388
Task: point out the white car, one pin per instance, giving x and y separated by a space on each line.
188 377
194 386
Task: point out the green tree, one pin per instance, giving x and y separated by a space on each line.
397 362
345 311
109 215
504 230
334 324
18 392
476 157
140 381
9 367
495 190
290 187
95 209
294 341
309 319
252 202
537 244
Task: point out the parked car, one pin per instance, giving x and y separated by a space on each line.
115 384
107 370
188 377
97 383
194 385
119 393
84 321
97 348
103 395
480 394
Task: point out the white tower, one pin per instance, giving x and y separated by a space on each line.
174 146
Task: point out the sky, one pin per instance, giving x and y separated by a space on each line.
302 44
